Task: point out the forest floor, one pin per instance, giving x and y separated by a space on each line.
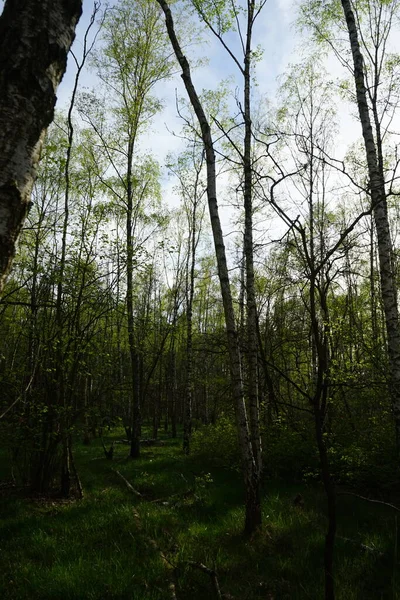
118 545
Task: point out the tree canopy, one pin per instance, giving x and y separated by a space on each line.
208 267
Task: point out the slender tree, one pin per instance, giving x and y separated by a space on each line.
373 144
369 27
188 167
220 19
251 470
132 61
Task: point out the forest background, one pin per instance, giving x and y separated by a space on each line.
285 336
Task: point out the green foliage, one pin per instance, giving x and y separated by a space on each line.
219 13
217 444
289 453
366 458
320 17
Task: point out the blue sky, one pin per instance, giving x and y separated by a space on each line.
274 31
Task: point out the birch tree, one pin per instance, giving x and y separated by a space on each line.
35 38
373 68
133 60
250 463
240 18
188 168
373 142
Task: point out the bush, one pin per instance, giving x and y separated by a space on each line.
289 454
217 444
286 453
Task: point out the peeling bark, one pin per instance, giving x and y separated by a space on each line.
35 38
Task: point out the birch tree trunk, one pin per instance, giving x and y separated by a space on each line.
379 206
35 38
250 469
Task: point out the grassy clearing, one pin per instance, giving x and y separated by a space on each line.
94 549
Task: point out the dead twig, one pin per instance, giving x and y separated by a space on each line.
170 568
211 573
128 485
369 500
172 591
363 546
150 541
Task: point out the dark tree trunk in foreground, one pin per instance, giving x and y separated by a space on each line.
35 38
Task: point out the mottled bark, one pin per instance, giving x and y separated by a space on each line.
250 470
35 37
380 212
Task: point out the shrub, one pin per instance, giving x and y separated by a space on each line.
289 453
217 444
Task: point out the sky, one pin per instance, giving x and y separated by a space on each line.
273 31
282 44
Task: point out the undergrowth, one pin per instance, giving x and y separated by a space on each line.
191 508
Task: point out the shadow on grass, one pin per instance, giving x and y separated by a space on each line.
93 549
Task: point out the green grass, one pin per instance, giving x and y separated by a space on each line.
93 549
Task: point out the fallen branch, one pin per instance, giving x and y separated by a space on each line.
184 494
128 485
152 442
172 591
144 442
169 566
369 500
211 573
363 546
171 569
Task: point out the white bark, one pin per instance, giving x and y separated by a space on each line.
379 205
249 465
